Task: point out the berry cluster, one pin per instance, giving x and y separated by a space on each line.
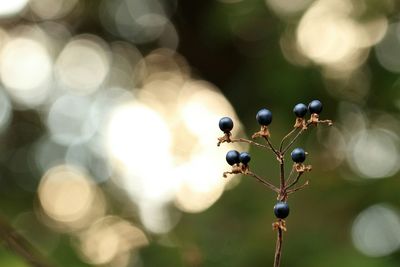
234 157
240 161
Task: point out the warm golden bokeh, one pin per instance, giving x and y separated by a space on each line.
69 199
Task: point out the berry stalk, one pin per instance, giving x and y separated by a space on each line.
278 249
240 161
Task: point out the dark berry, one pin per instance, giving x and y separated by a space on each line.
298 155
281 210
264 117
232 157
315 106
226 124
300 110
244 158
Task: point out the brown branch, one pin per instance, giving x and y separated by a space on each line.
295 181
298 188
282 174
278 248
286 136
295 138
263 181
272 147
20 246
291 142
243 140
290 175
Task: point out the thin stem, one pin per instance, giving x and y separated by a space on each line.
263 181
20 246
272 147
290 176
291 142
281 195
298 188
287 136
243 140
295 138
295 181
278 248
282 174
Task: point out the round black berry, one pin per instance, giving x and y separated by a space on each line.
298 155
264 117
226 124
232 157
244 158
315 106
300 110
281 210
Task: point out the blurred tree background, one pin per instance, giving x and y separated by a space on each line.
109 116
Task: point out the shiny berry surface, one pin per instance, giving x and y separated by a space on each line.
315 106
232 157
264 117
244 158
300 110
281 210
226 124
298 155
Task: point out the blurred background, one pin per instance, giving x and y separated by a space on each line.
109 116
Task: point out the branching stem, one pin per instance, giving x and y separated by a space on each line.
295 181
298 188
243 140
263 181
272 147
286 136
285 184
291 142
278 248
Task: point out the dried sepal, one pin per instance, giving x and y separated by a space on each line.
236 169
263 132
300 123
300 167
226 138
279 224
314 119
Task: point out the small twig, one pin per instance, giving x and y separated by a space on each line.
243 140
272 147
298 188
290 175
282 175
287 136
263 181
20 246
291 142
295 181
329 122
278 249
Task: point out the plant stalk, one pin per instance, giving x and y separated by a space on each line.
278 249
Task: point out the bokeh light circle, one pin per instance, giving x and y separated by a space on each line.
376 231
388 50
109 237
66 194
12 7
26 70
374 153
83 64
69 120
